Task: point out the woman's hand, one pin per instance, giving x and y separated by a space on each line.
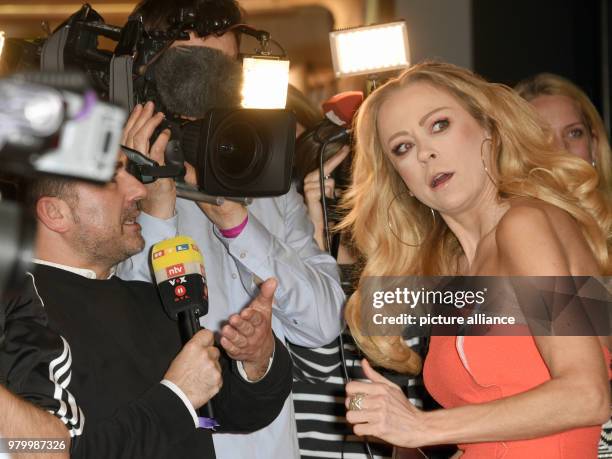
385 411
312 192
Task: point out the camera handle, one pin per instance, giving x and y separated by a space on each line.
192 193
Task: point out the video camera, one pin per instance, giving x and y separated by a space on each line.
50 124
237 152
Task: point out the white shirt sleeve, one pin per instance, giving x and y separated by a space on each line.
177 390
309 297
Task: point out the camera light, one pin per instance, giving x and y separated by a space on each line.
370 49
33 109
44 113
265 82
1 42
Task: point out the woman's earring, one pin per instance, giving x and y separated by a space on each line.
593 142
433 216
389 220
484 165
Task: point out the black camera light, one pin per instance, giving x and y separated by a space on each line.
240 153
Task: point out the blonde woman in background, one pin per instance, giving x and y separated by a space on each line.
579 129
574 120
456 176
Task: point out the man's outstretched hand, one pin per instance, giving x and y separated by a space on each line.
248 336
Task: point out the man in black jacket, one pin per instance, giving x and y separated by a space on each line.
109 362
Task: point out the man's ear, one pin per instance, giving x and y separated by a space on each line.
54 213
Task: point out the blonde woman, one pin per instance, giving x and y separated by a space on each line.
456 176
579 129
575 122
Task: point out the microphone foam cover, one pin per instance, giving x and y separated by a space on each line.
341 108
175 257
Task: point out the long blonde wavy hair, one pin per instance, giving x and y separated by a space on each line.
549 84
525 164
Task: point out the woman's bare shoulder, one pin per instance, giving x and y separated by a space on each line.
532 215
535 238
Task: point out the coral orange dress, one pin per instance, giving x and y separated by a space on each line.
468 370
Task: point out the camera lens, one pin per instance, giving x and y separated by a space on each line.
238 149
237 155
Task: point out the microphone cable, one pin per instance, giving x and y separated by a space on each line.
343 135
325 142
323 197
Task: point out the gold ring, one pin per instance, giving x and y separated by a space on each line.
356 401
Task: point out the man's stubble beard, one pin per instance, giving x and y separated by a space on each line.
103 247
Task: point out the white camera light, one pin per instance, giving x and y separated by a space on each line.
265 82
370 49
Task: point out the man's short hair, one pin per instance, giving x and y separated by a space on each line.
158 14
59 187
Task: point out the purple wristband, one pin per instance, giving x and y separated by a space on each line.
207 423
231 233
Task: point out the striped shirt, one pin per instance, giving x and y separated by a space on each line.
605 442
318 396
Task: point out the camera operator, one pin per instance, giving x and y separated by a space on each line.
241 245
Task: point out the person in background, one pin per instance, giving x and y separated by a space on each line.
319 377
577 128
471 184
574 120
272 237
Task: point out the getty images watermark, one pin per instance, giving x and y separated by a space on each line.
544 306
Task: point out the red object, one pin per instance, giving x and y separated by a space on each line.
341 108
180 290
470 370
175 270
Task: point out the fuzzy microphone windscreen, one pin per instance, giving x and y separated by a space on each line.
191 80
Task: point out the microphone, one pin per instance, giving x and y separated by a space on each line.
178 268
340 109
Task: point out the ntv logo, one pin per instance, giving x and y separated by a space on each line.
175 270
